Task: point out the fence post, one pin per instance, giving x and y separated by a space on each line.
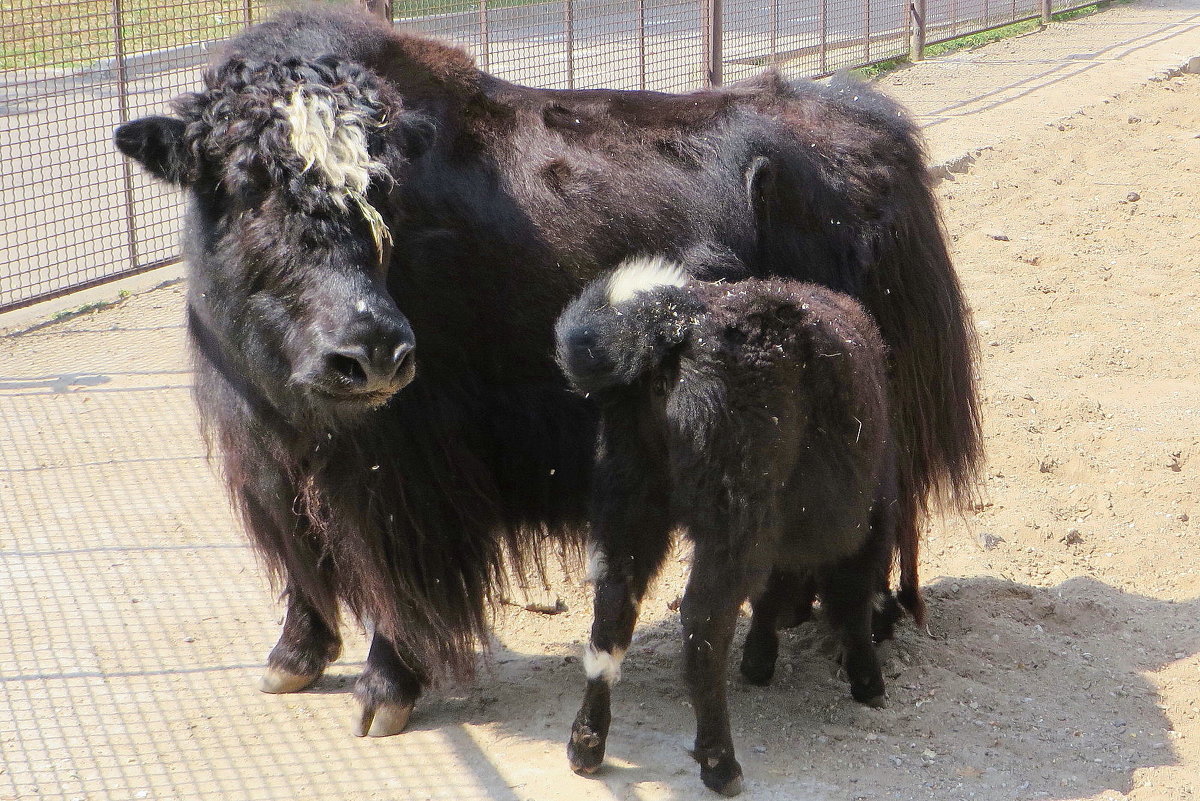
1047 10
380 8
569 12
118 29
641 11
916 44
774 60
713 35
484 41
824 20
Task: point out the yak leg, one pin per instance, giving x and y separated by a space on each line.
631 532
309 640
387 690
715 591
847 592
785 593
306 646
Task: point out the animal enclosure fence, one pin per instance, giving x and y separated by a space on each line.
74 213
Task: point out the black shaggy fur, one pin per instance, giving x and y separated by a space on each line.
501 201
754 415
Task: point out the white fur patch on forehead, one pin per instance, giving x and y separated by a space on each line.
330 140
333 142
642 274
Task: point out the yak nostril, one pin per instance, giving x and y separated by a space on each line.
348 365
401 357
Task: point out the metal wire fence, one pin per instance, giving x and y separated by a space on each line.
74 213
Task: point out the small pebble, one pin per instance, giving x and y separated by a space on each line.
1133 197
999 236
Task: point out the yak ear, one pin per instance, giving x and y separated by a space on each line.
157 144
419 133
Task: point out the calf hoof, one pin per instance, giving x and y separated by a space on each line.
884 616
585 749
870 694
758 668
382 720
278 680
723 775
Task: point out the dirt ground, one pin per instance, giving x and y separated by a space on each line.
1063 659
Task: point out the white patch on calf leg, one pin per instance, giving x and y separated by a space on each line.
597 563
602 665
643 274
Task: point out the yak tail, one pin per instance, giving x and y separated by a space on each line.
919 306
861 217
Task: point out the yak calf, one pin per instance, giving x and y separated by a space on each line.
754 415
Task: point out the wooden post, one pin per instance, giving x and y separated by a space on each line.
1047 10
641 11
823 18
117 21
916 44
484 40
569 13
380 8
713 36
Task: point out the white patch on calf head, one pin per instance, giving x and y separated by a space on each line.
333 141
642 274
602 665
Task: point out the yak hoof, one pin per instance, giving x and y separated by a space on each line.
277 680
732 788
877 702
585 750
383 720
725 777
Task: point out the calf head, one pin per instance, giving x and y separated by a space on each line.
291 169
627 327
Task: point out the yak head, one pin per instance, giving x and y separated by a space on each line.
291 170
627 328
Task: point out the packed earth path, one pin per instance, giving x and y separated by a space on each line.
1062 659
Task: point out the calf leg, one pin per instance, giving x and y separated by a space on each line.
387 689
709 611
306 646
631 532
785 593
620 585
847 592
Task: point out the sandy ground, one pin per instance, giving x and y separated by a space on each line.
1063 656
1066 609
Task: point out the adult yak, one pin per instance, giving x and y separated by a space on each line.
369 213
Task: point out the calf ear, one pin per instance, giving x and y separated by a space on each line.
157 144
